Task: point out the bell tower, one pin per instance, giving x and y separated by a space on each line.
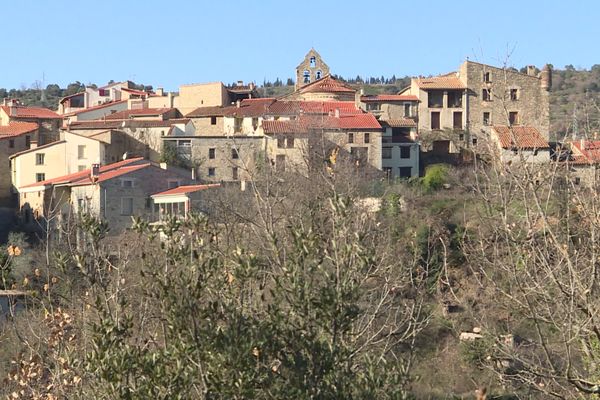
311 69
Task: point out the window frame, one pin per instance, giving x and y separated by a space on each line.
123 211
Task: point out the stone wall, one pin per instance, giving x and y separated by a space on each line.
19 144
305 65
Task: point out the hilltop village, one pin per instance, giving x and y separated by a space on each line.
118 152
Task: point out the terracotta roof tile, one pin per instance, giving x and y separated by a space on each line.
98 107
585 152
116 124
31 112
388 97
522 137
186 189
215 111
327 85
399 123
17 128
82 175
440 82
306 123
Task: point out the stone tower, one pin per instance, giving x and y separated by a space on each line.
311 69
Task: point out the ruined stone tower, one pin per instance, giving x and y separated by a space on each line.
312 68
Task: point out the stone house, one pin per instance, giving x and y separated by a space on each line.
14 137
47 120
311 69
114 193
457 110
516 144
584 162
400 148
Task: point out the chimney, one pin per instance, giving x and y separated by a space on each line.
240 83
163 165
33 144
238 103
531 70
159 91
12 108
337 113
95 172
170 99
193 173
546 78
252 85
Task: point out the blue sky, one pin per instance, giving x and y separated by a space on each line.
168 43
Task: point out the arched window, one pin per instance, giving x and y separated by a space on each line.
319 74
306 76
313 62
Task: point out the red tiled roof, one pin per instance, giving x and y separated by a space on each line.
399 123
586 152
98 107
31 112
295 107
327 85
523 137
116 124
37 148
440 82
305 123
143 112
250 108
82 175
388 97
105 176
16 128
186 189
71 95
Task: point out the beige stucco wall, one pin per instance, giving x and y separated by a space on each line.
20 144
203 126
199 95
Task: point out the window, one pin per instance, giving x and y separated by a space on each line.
211 171
435 99
435 120
234 173
407 109
405 172
454 99
237 124
234 154
461 136
173 184
211 153
313 62
457 120
367 139
486 94
40 177
514 94
127 206
39 159
80 168
513 118
213 120
290 142
487 77
386 152
11 143
306 76
373 106
254 123
162 133
350 137
319 74
281 142
127 183
27 141
577 180
404 151
280 163
474 141
81 152
486 119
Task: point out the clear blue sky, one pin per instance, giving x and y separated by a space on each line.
168 43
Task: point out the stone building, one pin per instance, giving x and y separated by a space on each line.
458 110
92 97
515 144
583 163
113 193
47 120
15 137
311 69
